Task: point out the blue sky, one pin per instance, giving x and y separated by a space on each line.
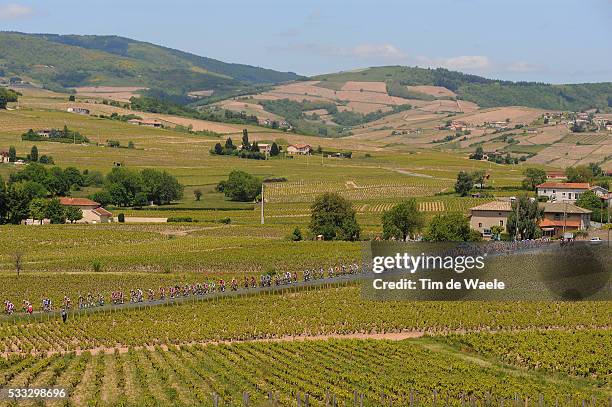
558 41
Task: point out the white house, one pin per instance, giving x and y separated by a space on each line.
92 211
4 157
299 149
562 191
599 191
79 110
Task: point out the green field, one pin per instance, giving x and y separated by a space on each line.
184 354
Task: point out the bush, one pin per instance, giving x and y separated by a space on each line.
225 221
178 219
96 265
121 217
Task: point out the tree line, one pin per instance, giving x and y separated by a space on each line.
32 192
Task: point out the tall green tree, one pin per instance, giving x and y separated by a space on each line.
3 202
274 150
38 209
464 183
12 154
73 213
533 177
229 144
529 215
245 140
333 217
34 154
241 186
450 227
403 220
589 200
55 212
579 173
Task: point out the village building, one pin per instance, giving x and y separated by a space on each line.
79 110
560 218
484 217
146 122
599 191
93 212
4 157
299 149
562 191
265 148
559 175
44 132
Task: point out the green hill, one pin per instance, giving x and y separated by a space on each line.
64 61
485 92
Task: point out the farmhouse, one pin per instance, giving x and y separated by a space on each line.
299 149
484 217
562 191
146 122
564 217
264 148
44 132
79 110
599 191
558 217
92 211
4 157
555 175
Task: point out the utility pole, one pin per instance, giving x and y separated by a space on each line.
262 203
516 226
564 218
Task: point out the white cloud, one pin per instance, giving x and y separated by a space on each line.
462 63
476 62
15 11
388 51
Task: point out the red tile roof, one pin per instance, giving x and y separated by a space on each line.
565 185
102 212
572 223
78 202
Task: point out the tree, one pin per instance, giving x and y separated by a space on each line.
198 194
3 202
245 140
478 154
12 154
38 209
71 98
229 144
123 184
533 178
19 195
589 200
596 170
131 145
450 227
580 173
497 230
218 149
296 235
160 187
241 186
478 177
73 177
55 212
403 220
333 217
254 147
18 261
140 200
73 213
529 215
102 197
34 154
274 150
464 183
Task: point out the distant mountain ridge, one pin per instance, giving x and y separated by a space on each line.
64 61
482 91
